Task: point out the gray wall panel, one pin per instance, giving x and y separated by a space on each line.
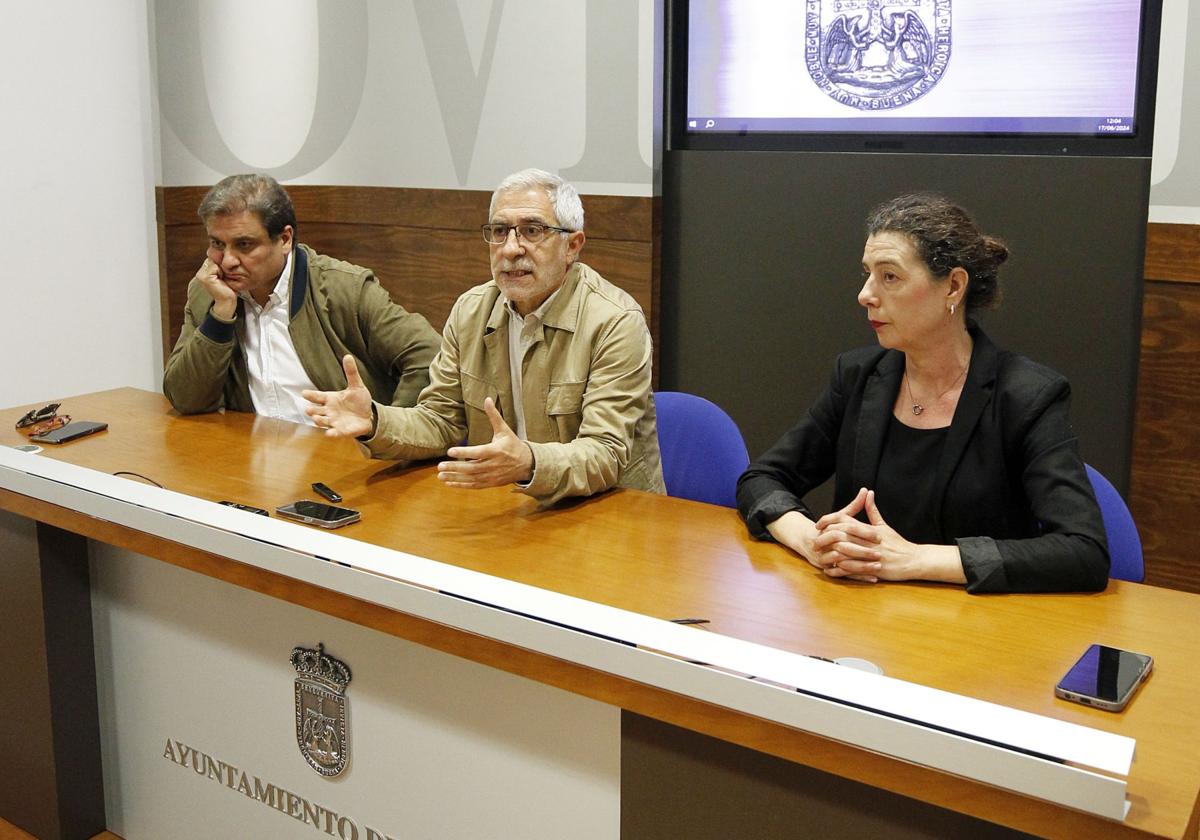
761 268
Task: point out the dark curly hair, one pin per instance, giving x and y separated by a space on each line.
259 194
946 237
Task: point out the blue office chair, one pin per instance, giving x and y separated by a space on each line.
702 448
1124 544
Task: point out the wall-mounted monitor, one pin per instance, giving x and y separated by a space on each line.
990 76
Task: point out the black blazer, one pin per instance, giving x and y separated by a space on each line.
1010 485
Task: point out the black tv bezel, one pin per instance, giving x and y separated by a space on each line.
1138 144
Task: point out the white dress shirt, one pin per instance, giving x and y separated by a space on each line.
276 375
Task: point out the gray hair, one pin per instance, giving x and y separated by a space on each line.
257 194
563 197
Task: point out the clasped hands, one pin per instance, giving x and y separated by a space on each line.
869 551
506 459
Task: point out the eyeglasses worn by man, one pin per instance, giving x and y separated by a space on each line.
545 369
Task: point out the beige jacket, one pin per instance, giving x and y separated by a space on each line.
589 411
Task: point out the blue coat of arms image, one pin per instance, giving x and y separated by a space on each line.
877 54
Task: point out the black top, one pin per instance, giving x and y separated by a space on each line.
1008 485
905 486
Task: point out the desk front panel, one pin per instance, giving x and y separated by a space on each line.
194 672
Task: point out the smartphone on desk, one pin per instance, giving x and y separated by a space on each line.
319 513
1104 677
247 508
71 431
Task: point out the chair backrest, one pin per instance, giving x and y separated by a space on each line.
702 448
1124 543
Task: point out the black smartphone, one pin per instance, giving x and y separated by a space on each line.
247 508
1104 677
319 513
71 431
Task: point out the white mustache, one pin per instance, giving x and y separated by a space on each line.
517 267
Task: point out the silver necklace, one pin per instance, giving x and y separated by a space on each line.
917 408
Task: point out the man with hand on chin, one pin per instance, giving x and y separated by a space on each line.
267 317
545 369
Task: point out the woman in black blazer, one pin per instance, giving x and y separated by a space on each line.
954 460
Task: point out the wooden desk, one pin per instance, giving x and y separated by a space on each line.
668 558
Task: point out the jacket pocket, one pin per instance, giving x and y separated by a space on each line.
474 392
564 407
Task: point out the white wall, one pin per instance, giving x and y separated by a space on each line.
1175 174
439 94
80 288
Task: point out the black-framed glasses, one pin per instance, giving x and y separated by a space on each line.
530 233
38 415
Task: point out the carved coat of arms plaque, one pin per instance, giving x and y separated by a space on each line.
321 684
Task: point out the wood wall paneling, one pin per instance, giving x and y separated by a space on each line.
1164 488
424 246
1173 252
608 216
1165 478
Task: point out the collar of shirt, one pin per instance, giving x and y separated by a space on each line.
276 374
280 292
523 333
525 324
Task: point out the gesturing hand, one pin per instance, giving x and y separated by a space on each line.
505 460
224 298
344 413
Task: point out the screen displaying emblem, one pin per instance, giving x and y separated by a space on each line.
321 684
877 54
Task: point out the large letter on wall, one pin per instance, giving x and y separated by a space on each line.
460 90
183 96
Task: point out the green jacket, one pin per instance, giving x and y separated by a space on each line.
589 410
335 308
